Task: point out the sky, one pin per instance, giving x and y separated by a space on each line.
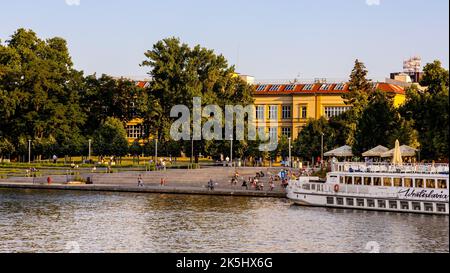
268 39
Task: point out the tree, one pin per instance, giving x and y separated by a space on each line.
181 73
38 89
381 124
427 112
359 90
111 139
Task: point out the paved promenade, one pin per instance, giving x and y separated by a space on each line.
177 182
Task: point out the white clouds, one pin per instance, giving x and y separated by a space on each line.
73 2
373 2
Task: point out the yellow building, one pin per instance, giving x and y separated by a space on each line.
292 105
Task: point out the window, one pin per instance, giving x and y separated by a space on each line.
428 206
358 180
340 201
393 205
440 207
341 179
273 112
397 182
275 87
431 183
286 131
308 87
387 182
336 111
419 183
287 112
377 181
442 184
348 180
360 202
260 112
273 133
350 201
134 131
339 87
404 205
261 87
330 200
290 87
370 203
416 206
367 181
303 112
325 87
408 183
382 204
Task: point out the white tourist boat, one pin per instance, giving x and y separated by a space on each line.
413 188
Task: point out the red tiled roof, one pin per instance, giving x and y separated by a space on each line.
333 88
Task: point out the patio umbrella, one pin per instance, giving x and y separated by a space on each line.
344 151
376 152
397 157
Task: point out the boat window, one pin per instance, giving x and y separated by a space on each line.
416 206
440 207
377 181
404 205
442 183
431 183
370 203
367 181
330 200
348 180
306 187
393 204
408 183
428 206
387 182
419 183
341 179
340 201
358 180
397 182
313 187
350 201
360 202
381 204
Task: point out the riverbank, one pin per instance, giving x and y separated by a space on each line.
177 182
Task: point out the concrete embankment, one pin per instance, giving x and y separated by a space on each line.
178 182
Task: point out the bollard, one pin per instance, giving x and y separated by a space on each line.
49 180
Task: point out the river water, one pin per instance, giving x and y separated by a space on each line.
56 221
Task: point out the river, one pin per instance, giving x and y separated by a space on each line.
58 221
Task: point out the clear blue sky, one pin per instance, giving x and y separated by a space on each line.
269 39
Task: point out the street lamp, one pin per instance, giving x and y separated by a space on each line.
231 150
290 153
192 151
156 150
29 151
89 156
321 158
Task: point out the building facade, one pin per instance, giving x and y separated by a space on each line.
292 105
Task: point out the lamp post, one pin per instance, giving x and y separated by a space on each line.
231 151
156 150
29 151
290 153
89 155
192 151
321 158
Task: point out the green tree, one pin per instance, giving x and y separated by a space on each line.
427 112
111 139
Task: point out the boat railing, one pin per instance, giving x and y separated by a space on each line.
377 167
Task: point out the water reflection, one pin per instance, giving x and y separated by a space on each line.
32 221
